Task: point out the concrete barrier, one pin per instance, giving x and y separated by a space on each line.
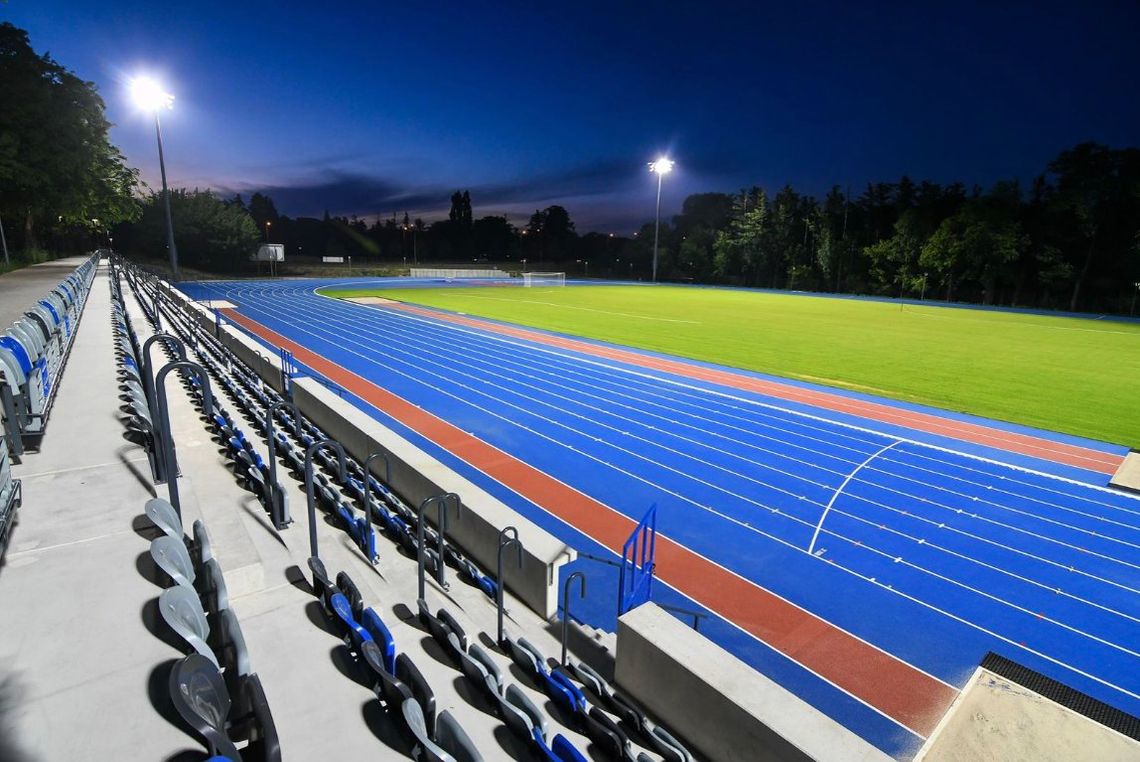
722 707
416 475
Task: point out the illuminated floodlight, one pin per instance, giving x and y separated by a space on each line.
149 95
661 167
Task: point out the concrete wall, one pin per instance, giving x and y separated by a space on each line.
725 709
416 475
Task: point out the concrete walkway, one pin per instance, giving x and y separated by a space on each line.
22 288
72 599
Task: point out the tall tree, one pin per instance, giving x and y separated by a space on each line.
57 165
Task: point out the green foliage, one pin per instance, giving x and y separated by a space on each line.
210 233
1029 369
57 167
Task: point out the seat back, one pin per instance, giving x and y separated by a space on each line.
382 636
171 556
347 587
199 696
415 720
446 617
522 657
255 724
566 751
476 652
515 697
162 514
234 654
454 740
213 587
202 549
604 731
407 671
181 610
351 629
322 587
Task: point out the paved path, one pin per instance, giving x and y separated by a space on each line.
22 288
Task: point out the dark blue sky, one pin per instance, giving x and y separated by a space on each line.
391 106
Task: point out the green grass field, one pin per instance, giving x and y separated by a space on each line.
1079 376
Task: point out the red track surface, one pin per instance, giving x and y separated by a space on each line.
1059 452
912 698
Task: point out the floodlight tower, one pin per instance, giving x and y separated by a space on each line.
150 96
661 167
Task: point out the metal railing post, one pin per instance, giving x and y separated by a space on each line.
420 537
368 480
281 518
167 438
507 537
310 495
441 526
566 606
165 469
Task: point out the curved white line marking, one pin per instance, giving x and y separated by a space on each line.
838 492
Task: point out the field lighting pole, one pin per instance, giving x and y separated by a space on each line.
150 96
662 167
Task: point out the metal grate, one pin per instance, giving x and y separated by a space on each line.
1070 698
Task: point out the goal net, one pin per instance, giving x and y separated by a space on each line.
543 279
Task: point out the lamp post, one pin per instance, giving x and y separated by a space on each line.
662 167
149 96
267 224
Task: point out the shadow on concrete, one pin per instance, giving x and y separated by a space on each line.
158 691
407 616
141 477
385 725
342 659
316 615
143 527
295 576
186 755
149 571
510 743
489 643
435 651
473 697
261 518
11 698
154 623
522 677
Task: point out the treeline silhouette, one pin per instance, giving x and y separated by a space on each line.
1069 241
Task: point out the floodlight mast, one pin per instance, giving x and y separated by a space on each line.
149 95
661 167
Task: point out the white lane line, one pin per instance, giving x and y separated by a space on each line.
831 502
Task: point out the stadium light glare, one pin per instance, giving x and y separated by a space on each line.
152 97
661 167
149 95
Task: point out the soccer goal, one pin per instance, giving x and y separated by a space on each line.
543 279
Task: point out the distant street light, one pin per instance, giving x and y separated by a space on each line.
662 167
149 95
267 224
4 245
